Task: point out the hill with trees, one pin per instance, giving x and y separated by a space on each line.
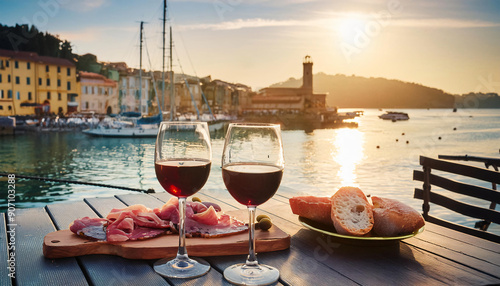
361 92
29 39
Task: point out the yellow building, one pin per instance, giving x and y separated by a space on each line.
33 84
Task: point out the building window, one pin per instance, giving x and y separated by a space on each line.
68 71
18 95
39 81
16 64
28 81
47 68
1 107
86 105
48 94
59 96
10 107
69 85
0 77
58 69
18 81
48 82
1 93
8 78
58 82
28 65
7 63
9 93
29 96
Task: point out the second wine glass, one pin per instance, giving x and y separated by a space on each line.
252 168
183 156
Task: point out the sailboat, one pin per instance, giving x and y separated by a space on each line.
131 126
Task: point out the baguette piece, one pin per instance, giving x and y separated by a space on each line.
351 212
394 218
314 208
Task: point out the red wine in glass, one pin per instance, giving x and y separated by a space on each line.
252 184
252 168
183 156
182 177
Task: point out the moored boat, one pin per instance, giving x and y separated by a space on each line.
394 116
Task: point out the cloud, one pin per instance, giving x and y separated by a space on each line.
81 6
444 23
328 19
250 23
92 34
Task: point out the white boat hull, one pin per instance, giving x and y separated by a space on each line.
123 132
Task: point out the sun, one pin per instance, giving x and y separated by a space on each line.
349 26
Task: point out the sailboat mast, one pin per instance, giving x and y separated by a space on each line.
144 107
163 54
172 83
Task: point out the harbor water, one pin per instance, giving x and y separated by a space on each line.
378 156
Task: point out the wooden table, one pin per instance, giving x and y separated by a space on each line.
436 256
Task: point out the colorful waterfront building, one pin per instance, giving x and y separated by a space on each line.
32 84
98 94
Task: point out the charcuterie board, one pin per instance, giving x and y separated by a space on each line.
64 243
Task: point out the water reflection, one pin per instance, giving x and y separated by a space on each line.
348 153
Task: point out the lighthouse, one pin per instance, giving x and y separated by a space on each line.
307 76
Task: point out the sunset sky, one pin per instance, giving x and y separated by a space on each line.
452 45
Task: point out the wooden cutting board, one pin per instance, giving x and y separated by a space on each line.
64 243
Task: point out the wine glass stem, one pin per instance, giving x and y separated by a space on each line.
252 257
181 252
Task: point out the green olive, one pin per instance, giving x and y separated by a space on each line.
196 199
265 224
259 217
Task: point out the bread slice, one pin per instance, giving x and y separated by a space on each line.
351 212
314 208
394 218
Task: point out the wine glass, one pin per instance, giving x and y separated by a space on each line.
183 156
252 168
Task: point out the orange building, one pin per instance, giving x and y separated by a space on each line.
33 84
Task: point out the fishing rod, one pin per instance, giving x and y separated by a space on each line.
148 191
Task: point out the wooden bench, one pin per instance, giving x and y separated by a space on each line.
442 182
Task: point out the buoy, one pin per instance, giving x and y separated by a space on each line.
407 142
403 133
378 147
454 128
397 140
439 137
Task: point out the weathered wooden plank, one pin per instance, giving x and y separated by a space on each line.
444 233
461 169
102 206
5 279
485 260
460 207
103 269
32 268
479 192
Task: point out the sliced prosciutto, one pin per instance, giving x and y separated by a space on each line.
138 222
93 228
